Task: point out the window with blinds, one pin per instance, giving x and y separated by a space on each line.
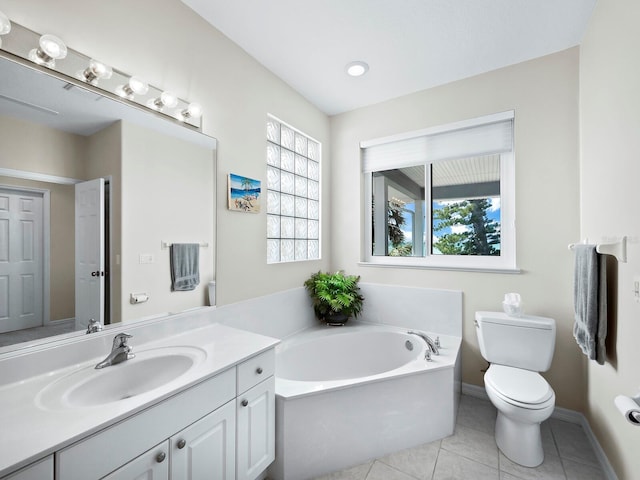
443 196
293 194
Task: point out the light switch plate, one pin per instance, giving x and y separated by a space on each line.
145 258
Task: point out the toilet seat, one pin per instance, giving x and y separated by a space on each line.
519 387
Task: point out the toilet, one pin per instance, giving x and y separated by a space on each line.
518 348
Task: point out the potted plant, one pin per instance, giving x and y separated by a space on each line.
336 296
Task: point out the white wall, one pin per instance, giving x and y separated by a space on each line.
543 93
610 171
171 47
167 190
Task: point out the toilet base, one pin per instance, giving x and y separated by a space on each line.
519 442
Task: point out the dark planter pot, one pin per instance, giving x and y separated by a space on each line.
336 319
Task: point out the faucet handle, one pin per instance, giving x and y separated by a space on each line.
120 340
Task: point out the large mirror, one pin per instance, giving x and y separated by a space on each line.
151 180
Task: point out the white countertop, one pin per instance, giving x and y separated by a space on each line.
31 431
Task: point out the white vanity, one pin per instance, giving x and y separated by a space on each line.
197 404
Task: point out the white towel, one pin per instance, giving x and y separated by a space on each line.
590 302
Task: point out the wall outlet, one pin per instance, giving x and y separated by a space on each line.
145 258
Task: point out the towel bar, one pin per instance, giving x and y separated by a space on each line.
164 245
618 249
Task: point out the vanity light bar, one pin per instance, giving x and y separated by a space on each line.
51 52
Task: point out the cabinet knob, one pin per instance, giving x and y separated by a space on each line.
259 370
160 457
245 402
182 443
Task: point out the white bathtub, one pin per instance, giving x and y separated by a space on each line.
345 395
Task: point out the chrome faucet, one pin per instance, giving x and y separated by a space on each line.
94 326
433 347
120 351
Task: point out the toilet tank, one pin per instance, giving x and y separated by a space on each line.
524 342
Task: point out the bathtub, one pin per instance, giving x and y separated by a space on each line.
345 395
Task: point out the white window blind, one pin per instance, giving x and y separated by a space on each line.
445 143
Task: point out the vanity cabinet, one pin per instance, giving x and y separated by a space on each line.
255 416
256 430
222 428
201 451
206 449
151 464
40 470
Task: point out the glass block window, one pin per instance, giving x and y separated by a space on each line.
293 194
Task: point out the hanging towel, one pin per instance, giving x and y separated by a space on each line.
185 270
590 302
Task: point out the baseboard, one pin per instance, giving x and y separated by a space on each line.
474 391
565 415
609 473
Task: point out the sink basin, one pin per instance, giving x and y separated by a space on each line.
150 369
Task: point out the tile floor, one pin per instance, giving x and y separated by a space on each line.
471 454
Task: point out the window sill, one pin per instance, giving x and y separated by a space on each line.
511 271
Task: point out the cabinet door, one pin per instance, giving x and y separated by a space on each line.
151 465
256 430
206 449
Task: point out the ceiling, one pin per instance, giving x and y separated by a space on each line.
410 45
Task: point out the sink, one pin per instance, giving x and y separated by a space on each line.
149 370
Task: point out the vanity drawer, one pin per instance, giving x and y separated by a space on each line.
256 369
41 470
107 450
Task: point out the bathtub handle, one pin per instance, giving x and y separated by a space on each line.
245 402
259 370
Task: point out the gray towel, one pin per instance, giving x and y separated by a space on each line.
590 302
185 266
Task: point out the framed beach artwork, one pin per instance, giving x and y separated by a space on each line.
244 194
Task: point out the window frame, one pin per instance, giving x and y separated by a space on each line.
504 263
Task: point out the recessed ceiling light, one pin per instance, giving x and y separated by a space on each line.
357 69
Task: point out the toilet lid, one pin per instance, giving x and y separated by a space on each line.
523 386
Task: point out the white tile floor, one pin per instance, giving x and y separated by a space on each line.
471 454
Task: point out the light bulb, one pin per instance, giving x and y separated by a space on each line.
357 69
134 86
5 24
138 86
193 110
51 49
166 99
95 71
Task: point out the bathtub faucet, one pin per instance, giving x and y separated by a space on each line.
432 347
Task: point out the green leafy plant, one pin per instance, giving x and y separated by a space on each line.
334 294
